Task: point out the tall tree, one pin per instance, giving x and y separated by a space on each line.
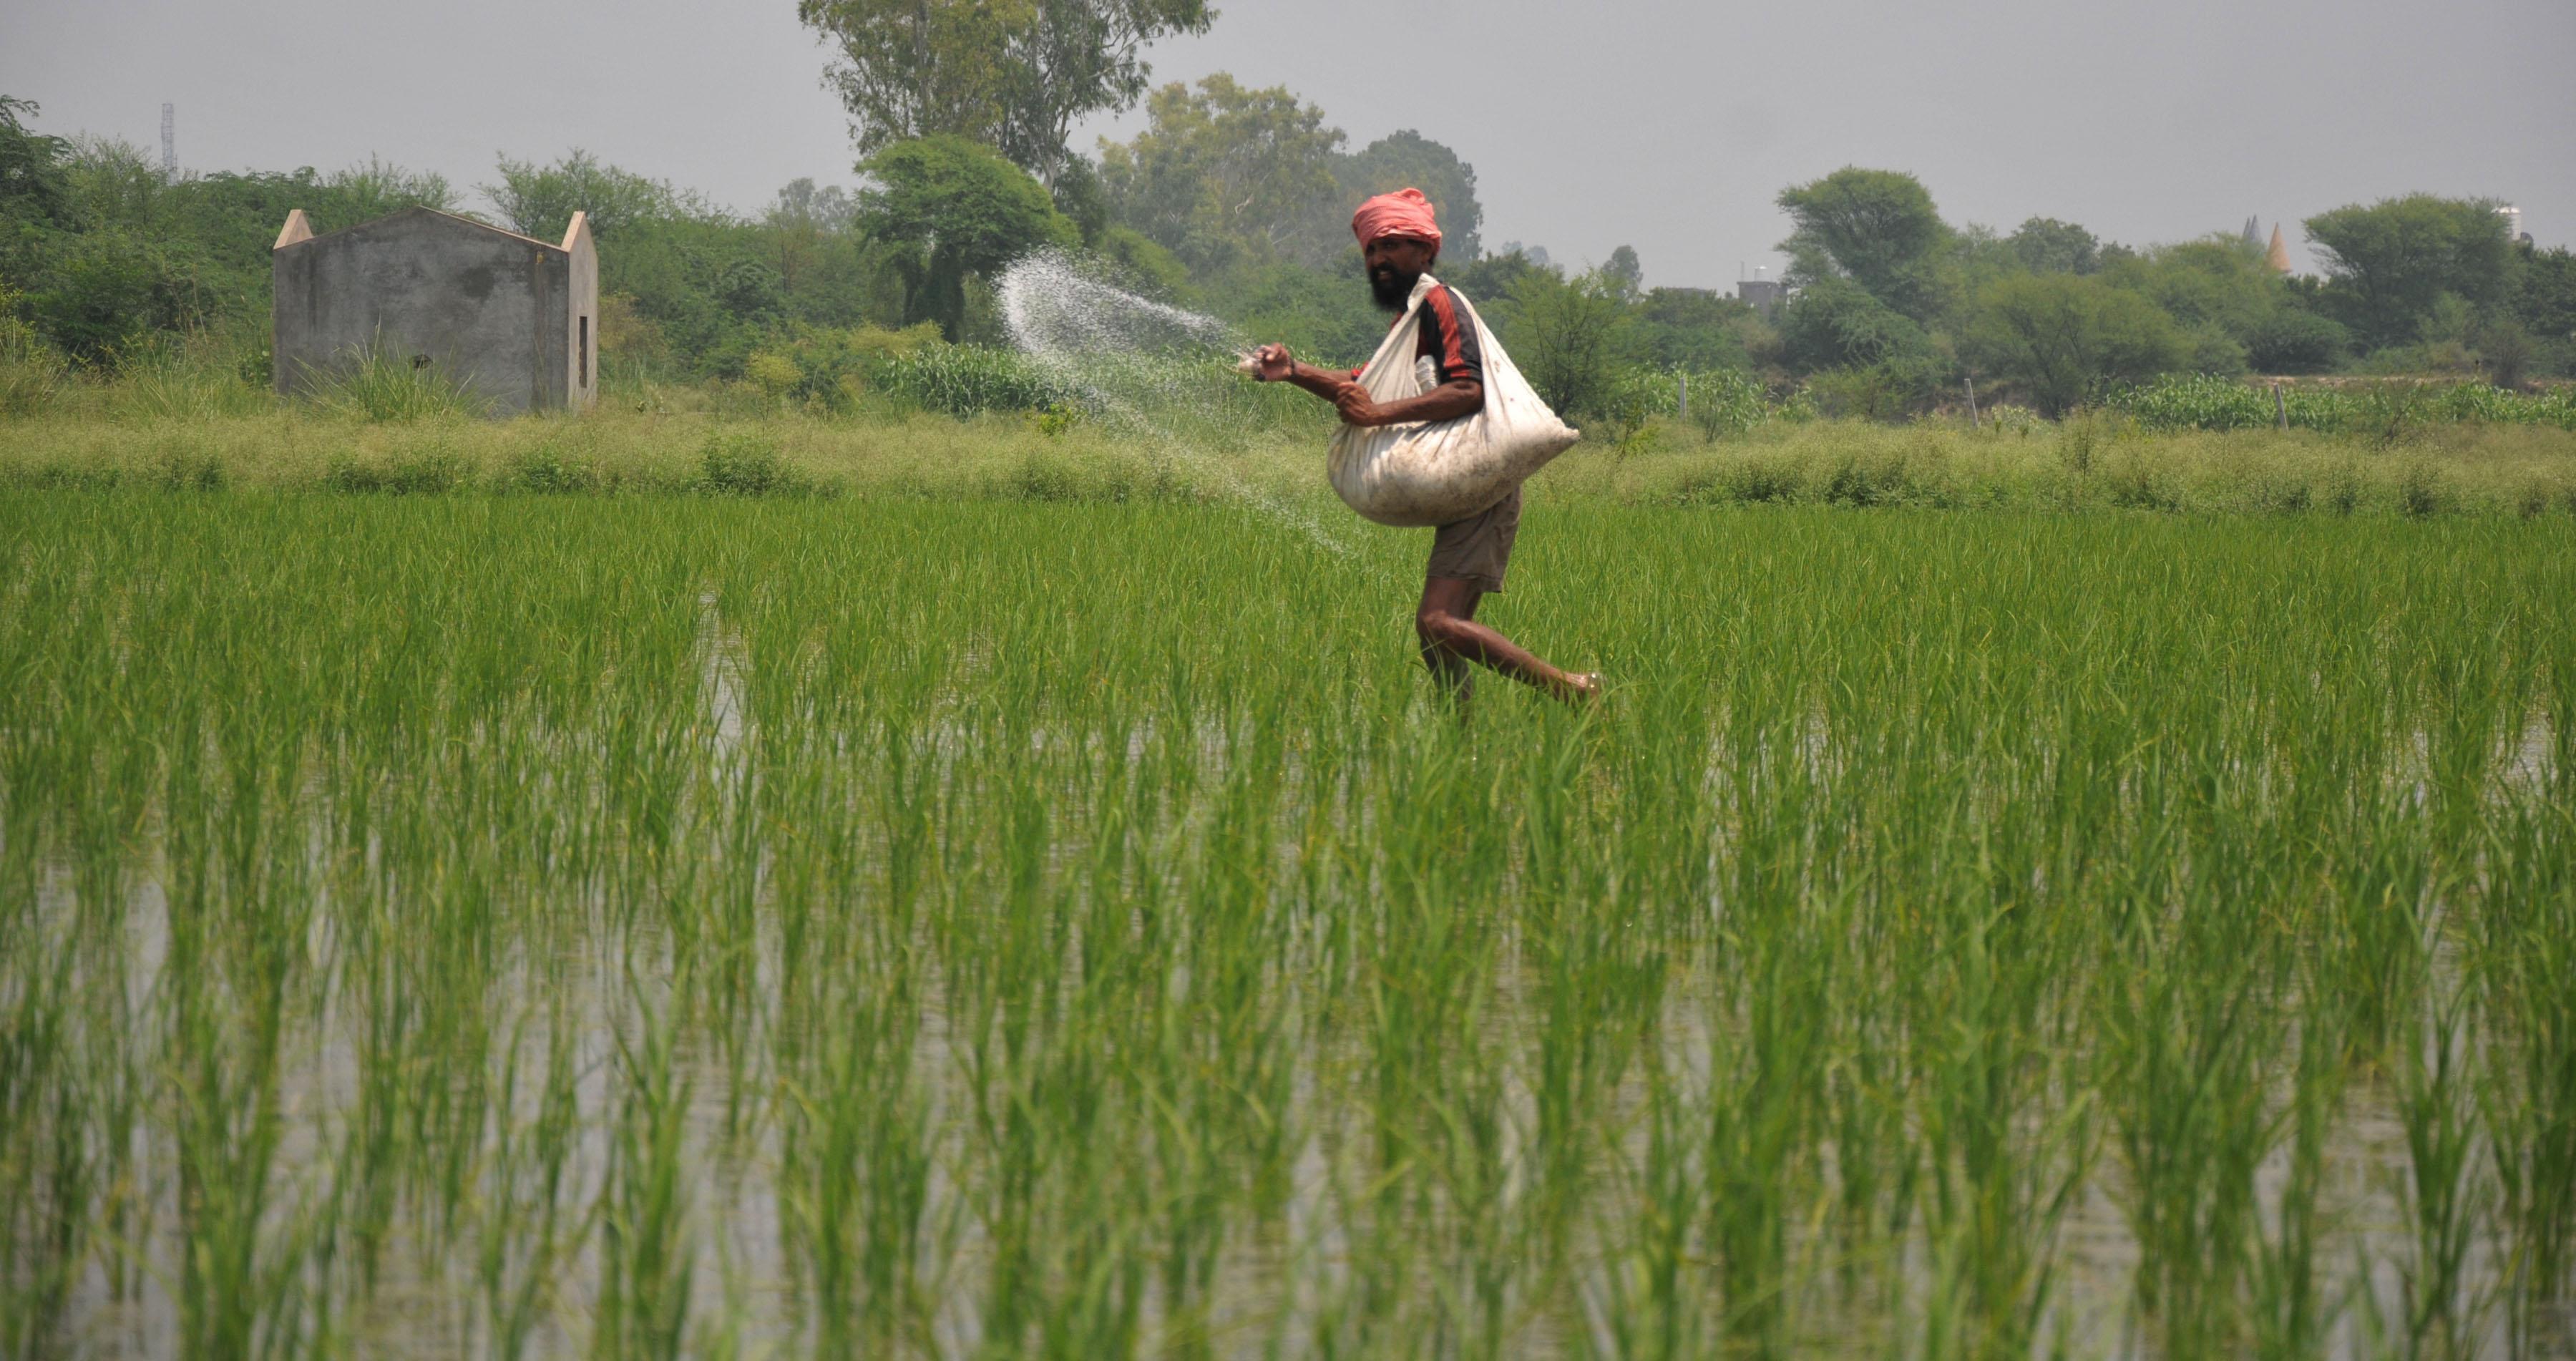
960 209
1625 270
1013 74
2389 263
2059 335
1876 227
1224 174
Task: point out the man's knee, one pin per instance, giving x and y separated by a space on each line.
1437 627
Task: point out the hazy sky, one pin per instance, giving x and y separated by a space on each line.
1659 123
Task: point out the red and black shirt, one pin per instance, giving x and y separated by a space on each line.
1448 338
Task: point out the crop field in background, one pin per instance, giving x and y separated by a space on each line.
641 926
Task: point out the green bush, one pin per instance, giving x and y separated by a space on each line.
970 380
745 465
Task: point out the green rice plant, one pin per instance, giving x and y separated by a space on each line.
907 925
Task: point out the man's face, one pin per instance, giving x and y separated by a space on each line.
1394 263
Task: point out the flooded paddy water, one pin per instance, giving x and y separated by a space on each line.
671 927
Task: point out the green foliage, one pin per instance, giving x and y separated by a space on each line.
1227 176
831 368
2380 413
1888 390
2218 285
97 294
742 464
2060 336
1877 228
539 201
35 188
31 371
971 380
958 209
2387 264
2044 245
1835 323
1572 338
1015 77
1691 328
1326 318
375 386
2295 340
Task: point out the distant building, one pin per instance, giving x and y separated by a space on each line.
510 317
1760 294
2513 224
2277 256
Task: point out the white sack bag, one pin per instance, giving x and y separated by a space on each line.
1433 472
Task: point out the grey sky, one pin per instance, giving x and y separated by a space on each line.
1659 123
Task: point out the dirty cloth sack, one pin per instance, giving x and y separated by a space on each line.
1434 472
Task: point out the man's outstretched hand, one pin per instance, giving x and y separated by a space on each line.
1272 364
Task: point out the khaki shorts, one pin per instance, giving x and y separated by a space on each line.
1479 547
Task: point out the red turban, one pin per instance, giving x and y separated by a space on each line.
1403 213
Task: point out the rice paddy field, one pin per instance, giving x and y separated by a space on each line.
664 925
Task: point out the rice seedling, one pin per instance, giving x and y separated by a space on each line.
659 925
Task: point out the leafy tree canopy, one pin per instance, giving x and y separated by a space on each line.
960 209
1835 323
1624 269
2061 335
2388 263
1013 74
1877 228
35 189
1223 175
2044 245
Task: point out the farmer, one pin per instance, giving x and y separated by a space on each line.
1399 242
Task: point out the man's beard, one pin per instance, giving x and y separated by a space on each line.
1392 287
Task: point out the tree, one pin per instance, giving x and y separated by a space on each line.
959 209
2388 263
2295 340
1877 228
1696 328
1570 337
1626 271
2060 335
1402 160
1014 74
1225 175
1835 323
539 201
35 189
2044 245
2545 300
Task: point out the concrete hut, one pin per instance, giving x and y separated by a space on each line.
510 317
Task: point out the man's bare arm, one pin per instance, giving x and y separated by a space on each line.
1450 400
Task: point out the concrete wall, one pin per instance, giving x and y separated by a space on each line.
489 307
583 334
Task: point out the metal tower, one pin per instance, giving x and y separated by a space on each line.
169 146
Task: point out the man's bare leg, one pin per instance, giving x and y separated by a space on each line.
1451 638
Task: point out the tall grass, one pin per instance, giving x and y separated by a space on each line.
662 926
